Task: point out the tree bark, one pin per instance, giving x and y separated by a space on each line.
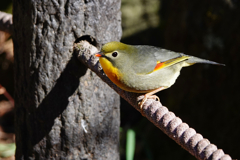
63 110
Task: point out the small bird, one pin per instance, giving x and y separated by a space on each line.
142 68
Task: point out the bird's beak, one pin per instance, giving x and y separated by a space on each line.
99 54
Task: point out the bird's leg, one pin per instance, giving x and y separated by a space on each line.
150 95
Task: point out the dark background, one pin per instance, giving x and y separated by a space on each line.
204 96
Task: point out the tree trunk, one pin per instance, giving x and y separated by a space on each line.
63 110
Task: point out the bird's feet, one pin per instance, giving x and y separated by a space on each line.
150 95
146 96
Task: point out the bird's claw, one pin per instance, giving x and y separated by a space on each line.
145 99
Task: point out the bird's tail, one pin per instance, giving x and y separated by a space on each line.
192 60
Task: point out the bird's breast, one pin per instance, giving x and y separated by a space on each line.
122 79
128 80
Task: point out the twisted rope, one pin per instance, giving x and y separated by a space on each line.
153 110
6 23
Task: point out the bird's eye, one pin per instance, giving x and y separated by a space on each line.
114 54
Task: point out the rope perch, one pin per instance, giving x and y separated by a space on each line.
153 110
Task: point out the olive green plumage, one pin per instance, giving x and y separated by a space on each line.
142 68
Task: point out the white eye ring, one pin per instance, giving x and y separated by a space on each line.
114 54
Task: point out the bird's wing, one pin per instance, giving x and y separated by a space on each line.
170 62
150 59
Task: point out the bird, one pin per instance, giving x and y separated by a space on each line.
143 68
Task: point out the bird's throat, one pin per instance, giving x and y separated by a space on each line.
112 72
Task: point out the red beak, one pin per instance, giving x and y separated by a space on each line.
99 54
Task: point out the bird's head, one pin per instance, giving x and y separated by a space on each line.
116 53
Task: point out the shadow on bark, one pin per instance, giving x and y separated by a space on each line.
56 101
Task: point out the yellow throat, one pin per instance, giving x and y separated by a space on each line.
112 72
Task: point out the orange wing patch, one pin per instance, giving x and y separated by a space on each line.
169 62
159 65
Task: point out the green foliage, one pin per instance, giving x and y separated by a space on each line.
7 150
6 6
138 15
130 144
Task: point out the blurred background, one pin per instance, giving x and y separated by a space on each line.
7 137
204 96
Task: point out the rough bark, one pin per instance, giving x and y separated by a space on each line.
63 110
